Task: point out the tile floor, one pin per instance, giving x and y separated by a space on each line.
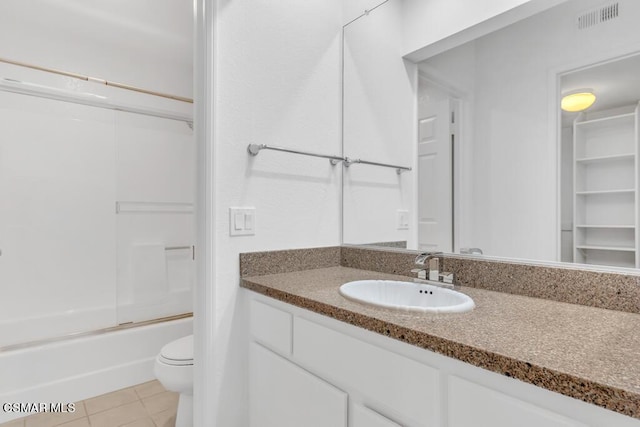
144 405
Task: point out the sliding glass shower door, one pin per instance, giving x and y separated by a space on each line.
96 206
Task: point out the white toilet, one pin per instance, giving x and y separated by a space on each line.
174 369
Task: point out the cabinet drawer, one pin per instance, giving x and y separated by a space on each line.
271 327
472 404
401 387
364 417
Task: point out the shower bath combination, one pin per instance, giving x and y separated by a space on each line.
97 228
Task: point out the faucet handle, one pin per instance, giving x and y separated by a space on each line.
447 277
422 273
421 258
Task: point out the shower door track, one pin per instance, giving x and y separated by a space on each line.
74 335
97 80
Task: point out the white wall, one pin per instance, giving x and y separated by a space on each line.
510 150
453 23
379 106
278 82
353 9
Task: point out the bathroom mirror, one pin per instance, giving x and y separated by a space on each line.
496 164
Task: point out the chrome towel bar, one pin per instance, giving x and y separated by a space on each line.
254 149
399 169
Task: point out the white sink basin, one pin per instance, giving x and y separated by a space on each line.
408 296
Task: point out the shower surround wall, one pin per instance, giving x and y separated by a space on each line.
90 201
91 41
68 261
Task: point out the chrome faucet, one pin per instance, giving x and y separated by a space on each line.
432 272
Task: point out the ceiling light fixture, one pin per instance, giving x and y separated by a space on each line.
577 100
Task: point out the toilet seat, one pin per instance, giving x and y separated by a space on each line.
178 352
174 369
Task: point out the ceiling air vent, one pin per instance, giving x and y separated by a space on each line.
598 16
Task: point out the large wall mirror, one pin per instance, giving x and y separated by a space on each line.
497 166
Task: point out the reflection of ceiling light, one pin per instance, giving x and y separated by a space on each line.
578 100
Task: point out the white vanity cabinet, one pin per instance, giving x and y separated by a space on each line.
284 395
471 404
361 416
403 388
310 370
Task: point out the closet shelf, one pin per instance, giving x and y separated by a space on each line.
605 182
630 116
613 157
596 192
606 248
609 226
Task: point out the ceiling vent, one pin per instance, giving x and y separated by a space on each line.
598 16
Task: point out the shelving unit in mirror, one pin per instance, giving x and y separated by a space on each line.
605 188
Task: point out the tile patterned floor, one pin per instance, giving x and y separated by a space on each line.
144 405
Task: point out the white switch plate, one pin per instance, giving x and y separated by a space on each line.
242 221
402 219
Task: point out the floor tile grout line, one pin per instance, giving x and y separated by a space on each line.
141 398
73 421
137 419
151 395
82 403
113 407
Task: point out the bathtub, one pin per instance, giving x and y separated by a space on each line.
78 368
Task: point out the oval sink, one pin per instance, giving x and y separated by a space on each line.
409 296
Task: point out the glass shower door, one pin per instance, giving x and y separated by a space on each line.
155 190
57 228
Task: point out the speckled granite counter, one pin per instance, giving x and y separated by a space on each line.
588 353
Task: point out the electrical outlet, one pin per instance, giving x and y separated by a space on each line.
402 219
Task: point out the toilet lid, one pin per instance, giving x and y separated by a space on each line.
178 352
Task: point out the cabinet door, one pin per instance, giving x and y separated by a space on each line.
282 394
473 405
364 417
405 389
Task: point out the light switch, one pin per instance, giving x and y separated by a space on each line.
402 219
242 221
238 221
248 221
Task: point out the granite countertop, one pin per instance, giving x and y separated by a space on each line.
588 353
